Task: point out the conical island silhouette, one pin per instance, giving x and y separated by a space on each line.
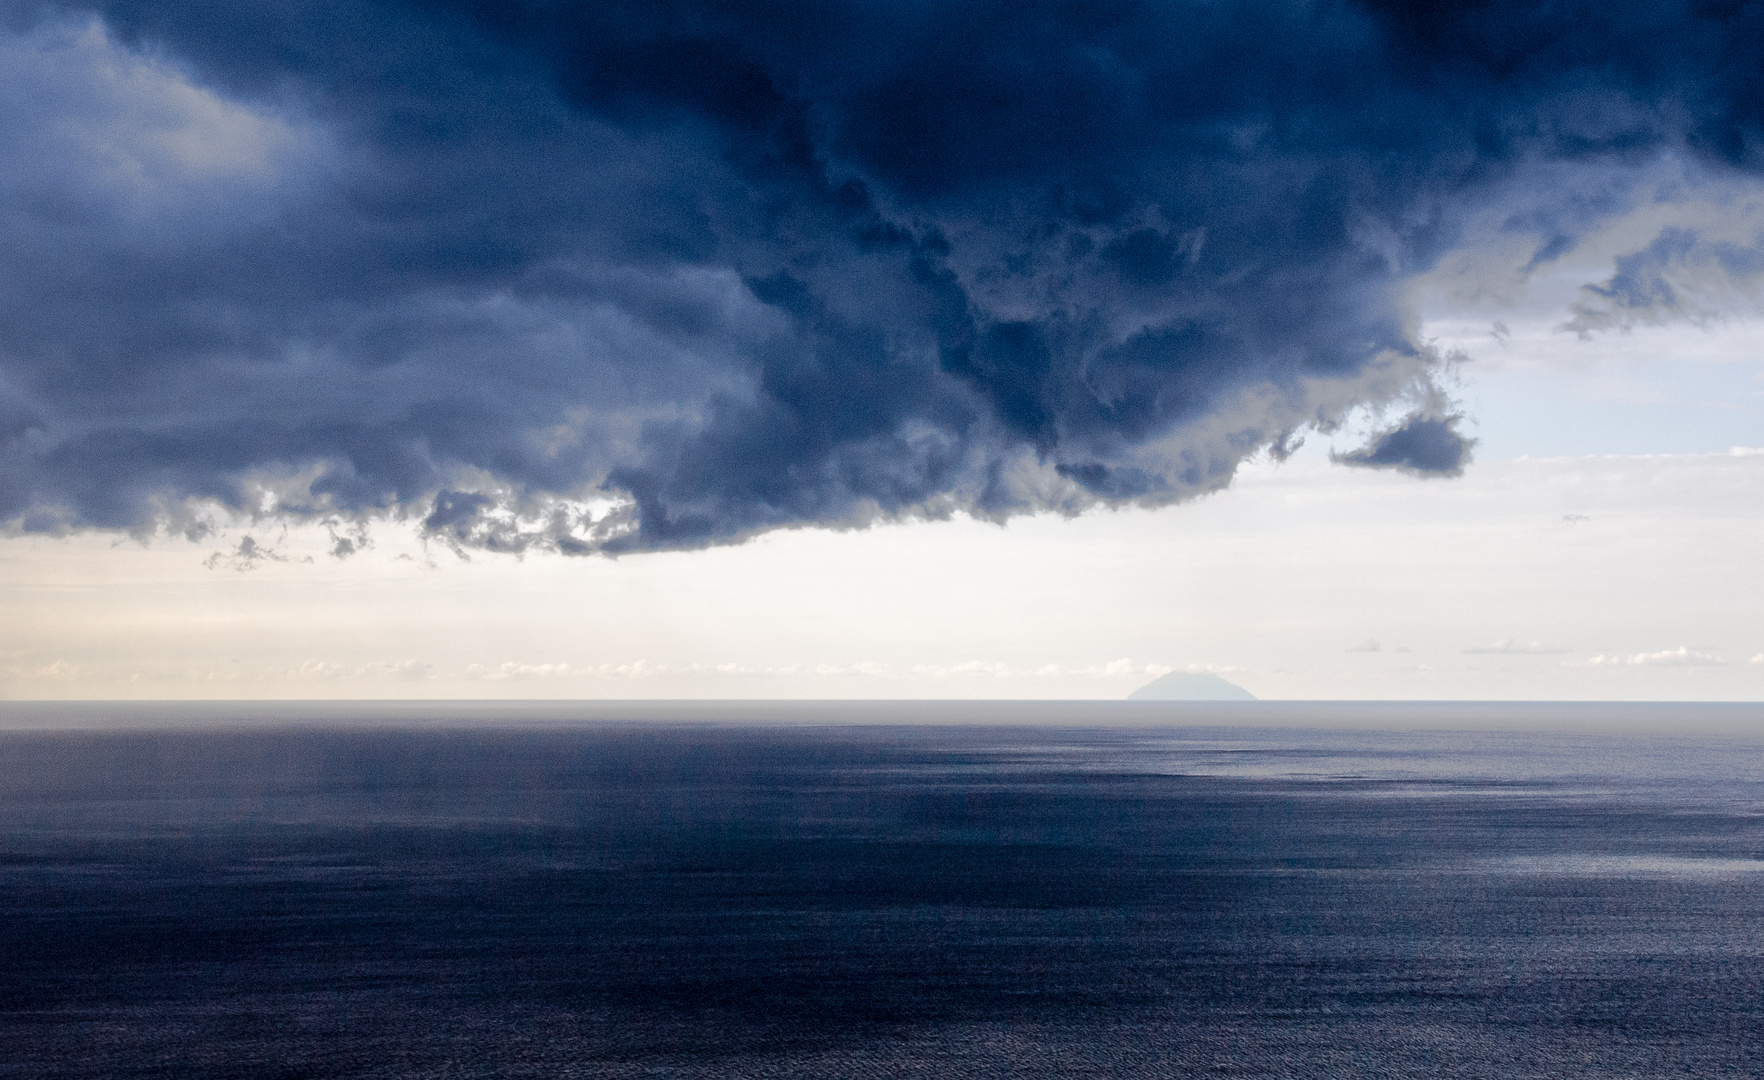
1191 686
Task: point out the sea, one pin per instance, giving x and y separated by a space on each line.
881 889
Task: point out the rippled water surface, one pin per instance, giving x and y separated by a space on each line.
552 894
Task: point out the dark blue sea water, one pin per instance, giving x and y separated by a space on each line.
692 891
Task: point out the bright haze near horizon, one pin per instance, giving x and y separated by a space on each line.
1345 350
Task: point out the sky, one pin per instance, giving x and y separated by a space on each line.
1347 350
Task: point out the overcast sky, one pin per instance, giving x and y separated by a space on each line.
828 350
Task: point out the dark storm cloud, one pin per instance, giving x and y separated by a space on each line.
1670 278
1421 445
624 276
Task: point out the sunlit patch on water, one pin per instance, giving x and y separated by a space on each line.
1622 866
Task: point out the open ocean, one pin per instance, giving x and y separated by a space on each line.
881 890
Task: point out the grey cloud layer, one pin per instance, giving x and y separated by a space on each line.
633 276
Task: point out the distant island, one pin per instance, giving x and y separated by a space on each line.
1191 686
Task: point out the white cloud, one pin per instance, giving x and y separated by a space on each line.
1369 645
1757 660
319 671
514 670
398 669
643 669
59 670
325 671
862 667
1112 669
1682 656
1511 646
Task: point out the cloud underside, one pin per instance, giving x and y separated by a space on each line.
620 277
